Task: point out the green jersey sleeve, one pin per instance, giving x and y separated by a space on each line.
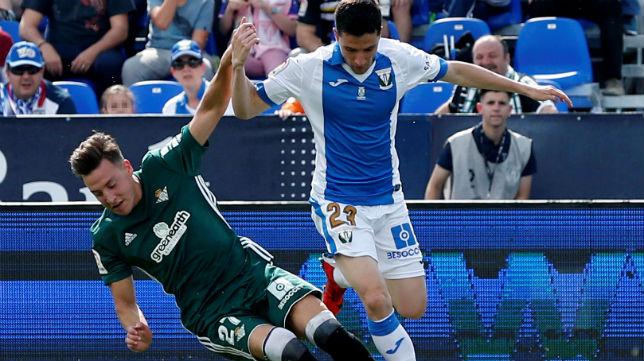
111 265
182 155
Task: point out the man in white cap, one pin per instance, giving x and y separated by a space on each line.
26 91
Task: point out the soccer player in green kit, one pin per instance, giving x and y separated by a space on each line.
163 219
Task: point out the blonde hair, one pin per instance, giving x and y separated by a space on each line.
116 89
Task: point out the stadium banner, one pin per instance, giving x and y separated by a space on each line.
527 280
266 158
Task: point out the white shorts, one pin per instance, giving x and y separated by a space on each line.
383 233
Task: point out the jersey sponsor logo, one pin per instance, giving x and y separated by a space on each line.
161 195
338 82
283 290
361 93
404 238
101 269
129 237
384 78
428 62
170 236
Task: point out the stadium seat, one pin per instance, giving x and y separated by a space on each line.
82 94
393 30
451 29
426 97
151 95
514 16
567 61
12 28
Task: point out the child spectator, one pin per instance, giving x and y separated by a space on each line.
117 99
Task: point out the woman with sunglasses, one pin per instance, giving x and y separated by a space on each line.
26 92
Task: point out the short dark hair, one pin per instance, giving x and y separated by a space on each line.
89 154
358 17
482 92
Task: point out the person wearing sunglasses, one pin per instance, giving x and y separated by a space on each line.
188 68
26 91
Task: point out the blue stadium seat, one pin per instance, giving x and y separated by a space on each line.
567 60
151 95
514 16
12 28
426 97
82 94
393 30
453 28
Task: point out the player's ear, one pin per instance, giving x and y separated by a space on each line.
128 166
479 106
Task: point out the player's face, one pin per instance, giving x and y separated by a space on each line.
25 80
358 51
495 108
489 54
112 184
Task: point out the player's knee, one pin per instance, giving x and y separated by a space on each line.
376 301
411 311
328 334
282 345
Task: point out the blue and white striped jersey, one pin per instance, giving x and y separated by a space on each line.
353 116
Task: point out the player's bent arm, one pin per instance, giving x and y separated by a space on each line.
437 183
214 102
246 102
125 305
139 336
525 185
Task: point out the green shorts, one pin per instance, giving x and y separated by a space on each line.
229 336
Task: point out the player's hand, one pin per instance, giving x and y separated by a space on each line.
547 92
243 40
139 337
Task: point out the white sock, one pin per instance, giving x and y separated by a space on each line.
339 278
391 339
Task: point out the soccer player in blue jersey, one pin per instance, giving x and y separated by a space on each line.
163 219
350 92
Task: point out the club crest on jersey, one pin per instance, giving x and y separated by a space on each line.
161 194
361 93
345 236
384 78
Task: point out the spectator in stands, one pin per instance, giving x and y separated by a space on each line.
26 92
171 21
480 9
316 20
5 44
492 53
400 12
84 38
488 161
117 99
608 15
188 68
275 21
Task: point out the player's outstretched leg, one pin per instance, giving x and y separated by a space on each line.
328 334
333 294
